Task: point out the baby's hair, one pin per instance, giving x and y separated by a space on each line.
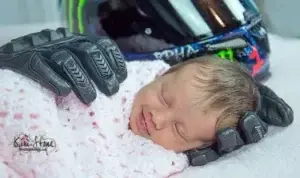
227 87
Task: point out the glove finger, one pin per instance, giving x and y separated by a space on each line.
69 67
202 156
252 128
98 68
114 57
33 65
274 110
228 139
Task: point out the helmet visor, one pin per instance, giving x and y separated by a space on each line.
211 17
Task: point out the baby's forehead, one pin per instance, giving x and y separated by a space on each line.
190 75
185 84
194 84
186 70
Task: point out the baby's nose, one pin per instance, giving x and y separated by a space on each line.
162 119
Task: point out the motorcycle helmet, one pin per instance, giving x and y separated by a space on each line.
177 30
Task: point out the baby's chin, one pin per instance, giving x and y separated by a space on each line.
130 124
132 117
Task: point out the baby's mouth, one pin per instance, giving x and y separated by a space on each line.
142 124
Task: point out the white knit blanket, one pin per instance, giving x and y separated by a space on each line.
44 136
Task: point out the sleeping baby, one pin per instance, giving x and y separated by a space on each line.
178 110
185 107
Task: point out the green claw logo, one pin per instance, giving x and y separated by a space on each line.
226 54
75 10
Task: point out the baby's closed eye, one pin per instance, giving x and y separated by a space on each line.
179 131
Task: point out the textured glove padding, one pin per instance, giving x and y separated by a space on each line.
274 111
202 156
62 61
251 129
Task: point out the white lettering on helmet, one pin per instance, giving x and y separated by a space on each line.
176 53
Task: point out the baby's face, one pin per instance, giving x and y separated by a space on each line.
167 112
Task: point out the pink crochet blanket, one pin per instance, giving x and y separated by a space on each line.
44 136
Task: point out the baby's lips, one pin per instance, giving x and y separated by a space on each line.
149 121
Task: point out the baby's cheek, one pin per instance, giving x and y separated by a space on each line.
167 140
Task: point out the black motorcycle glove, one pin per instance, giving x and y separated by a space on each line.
62 61
272 110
